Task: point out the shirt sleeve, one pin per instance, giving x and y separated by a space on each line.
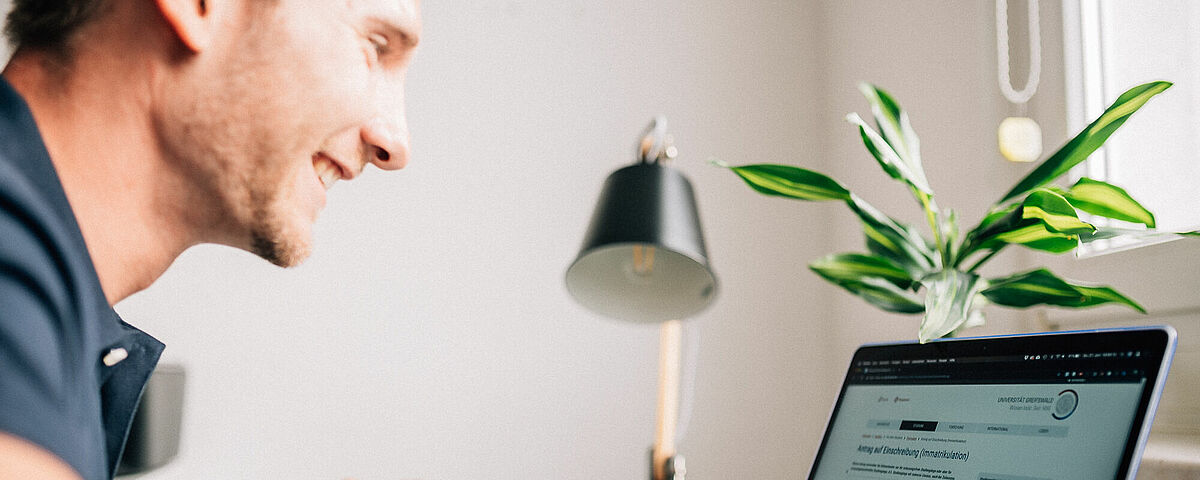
47 392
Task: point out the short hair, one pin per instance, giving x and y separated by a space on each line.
49 24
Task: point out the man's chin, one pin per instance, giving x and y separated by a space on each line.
282 250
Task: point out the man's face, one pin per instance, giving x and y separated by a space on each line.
295 97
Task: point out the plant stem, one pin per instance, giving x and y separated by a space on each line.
984 259
966 249
931 216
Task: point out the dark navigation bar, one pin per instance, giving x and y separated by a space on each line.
918 426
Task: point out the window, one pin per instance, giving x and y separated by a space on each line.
1112 46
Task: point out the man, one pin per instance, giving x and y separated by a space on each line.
131 130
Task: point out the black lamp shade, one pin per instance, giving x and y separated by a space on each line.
643 258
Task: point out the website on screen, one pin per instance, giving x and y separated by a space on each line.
981 432
979 411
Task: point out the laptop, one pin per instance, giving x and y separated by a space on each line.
1055 406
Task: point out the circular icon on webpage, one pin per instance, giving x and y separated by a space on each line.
1065 405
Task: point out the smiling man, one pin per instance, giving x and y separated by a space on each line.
131 130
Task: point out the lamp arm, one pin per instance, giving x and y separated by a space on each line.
668 401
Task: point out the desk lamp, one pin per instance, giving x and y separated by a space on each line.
643 260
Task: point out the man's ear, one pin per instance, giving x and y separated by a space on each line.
190 20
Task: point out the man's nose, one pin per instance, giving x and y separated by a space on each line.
386 139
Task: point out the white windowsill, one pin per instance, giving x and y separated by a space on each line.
1170 457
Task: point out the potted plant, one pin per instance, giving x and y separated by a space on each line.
900 264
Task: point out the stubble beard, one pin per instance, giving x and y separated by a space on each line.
272 237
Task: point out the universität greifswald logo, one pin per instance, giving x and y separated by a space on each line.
1065 405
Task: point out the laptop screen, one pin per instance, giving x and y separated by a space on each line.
1058 406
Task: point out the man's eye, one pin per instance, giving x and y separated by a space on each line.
379 42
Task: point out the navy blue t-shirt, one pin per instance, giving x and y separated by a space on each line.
56 326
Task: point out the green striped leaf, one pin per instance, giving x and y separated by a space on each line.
854 267
992 217
950 301
1040 287
1087 141
894 240
1031 288
884 295
986 228
887 157
1052 243
1107 200
1101 295
1104 233
889 244
886 237
791 182
1055 212
1044 221
1036 237
894 127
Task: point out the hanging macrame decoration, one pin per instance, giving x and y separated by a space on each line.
1019 137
